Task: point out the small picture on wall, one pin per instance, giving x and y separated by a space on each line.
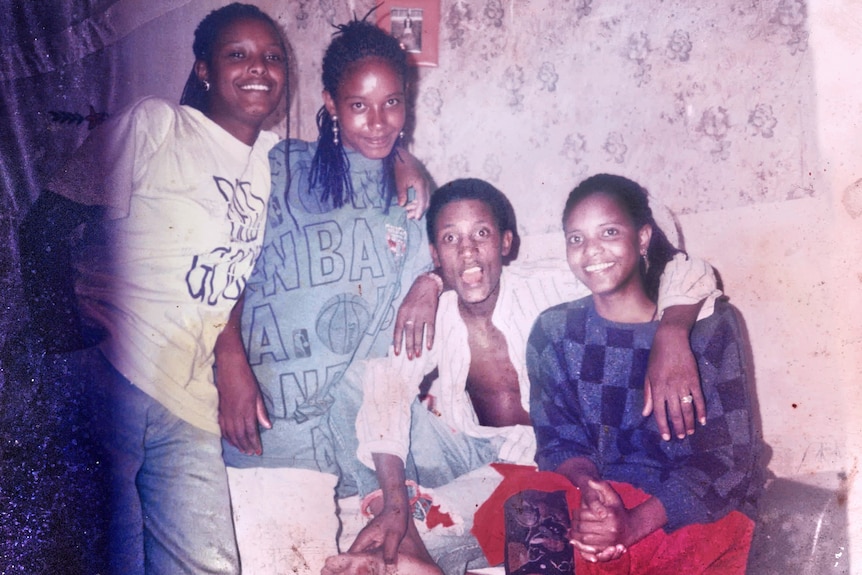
406 25
416 24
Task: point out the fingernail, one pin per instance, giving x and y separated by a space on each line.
680 435
665 436
703 421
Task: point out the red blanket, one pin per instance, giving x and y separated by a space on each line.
718 548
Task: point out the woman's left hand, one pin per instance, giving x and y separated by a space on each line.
416 317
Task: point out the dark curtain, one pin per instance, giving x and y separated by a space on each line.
60 75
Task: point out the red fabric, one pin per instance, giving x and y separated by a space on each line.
435 517
718 548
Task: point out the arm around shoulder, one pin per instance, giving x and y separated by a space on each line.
688 281
417 315
673 394
411 174
724 454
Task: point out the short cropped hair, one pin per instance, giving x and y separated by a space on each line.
473 189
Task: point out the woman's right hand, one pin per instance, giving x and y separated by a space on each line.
240 405
240 402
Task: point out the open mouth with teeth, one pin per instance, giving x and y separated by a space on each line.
472 275
595 268
256 88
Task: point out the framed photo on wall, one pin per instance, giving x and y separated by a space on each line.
416 24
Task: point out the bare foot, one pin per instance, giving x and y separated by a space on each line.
372 564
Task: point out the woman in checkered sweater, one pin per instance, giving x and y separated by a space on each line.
645 505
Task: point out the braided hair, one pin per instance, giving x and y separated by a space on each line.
633 199
206 36
330 167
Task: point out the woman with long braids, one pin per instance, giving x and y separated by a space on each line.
173 200
338 256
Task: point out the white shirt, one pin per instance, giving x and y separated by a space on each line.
186 207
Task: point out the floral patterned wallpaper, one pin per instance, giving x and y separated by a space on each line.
710 105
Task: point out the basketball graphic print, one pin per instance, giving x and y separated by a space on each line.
342 321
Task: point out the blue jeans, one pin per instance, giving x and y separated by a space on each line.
170 505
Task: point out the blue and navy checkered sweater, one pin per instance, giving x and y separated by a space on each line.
587 378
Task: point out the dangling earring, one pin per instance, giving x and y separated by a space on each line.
206 85
401 135
645 260
335 130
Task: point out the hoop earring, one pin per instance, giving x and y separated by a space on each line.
335 130
206 85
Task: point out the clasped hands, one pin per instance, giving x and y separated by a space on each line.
601 529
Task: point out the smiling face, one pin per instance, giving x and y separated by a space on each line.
603 247
246 73
370 106
469 248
